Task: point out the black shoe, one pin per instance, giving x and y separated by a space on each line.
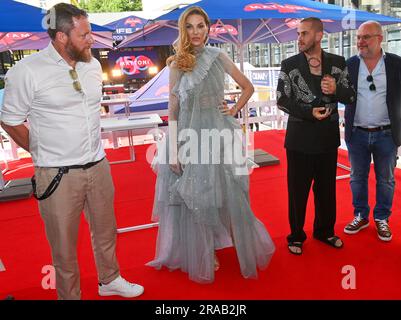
334 242
356 225
383 230
298 248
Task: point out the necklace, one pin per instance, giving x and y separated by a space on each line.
315 64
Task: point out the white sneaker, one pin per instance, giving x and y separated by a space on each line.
120 287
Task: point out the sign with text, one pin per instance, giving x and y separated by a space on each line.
266 77
133 62
126 26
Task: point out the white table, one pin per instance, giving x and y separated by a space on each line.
117 101
129 124
113 101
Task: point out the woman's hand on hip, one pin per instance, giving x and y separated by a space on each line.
224 109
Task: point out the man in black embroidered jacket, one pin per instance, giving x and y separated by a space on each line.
310 85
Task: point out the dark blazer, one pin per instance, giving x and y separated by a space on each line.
298 93
393 73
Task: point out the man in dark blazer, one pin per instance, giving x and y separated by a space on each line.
373 128
310 85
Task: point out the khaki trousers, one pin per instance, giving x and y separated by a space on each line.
91 190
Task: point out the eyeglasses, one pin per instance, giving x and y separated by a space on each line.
372 86
366 37
76 84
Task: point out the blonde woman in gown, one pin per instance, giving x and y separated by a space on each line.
203 205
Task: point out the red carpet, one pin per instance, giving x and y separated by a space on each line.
317 274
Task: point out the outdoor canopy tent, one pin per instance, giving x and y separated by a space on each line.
152 96
125 26
246 21
24 27
276 21
159 34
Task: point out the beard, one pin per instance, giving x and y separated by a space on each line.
84 55
365 52
308 48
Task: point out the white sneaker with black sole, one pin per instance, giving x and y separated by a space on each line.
120 287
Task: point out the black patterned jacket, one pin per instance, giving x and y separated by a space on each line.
297 95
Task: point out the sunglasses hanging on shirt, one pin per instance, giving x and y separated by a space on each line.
372 86
76 84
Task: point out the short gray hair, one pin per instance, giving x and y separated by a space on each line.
376 24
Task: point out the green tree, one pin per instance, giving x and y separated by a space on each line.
110 5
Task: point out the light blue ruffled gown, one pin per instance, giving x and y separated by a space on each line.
207 207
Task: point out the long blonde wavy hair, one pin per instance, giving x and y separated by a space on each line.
184 56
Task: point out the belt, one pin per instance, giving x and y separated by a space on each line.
381 128
82 166
56 180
